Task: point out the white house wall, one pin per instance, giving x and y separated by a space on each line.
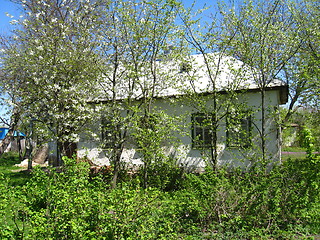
91 149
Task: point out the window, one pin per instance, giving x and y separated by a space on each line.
239 130
110 134
201 136
185 67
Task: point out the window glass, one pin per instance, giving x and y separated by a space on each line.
201 136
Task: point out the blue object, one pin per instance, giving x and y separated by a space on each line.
4 131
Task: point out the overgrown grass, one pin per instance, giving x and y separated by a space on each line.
8 159
16 175
294 153
293 149
296 156
72 204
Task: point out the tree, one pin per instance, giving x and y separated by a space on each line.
9 86
266 39
54 61
210 41
302 72
134 40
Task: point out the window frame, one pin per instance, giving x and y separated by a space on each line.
198 126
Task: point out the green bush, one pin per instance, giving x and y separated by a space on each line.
163 175
244 202
69 203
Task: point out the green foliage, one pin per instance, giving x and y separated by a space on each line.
151 135
293 149
57 61
163 175
9 158
307 141
69 203
307 130
16 176
259 204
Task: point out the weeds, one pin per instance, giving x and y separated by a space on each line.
282 204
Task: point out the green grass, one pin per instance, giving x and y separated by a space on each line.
296 155
23 209
293 153
15 175
293 149
9 159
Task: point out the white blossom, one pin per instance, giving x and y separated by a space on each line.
56 86
9 15
13 22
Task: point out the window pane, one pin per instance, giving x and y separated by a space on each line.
207 136
201 136
198 133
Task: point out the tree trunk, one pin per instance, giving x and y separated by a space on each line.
115 177
70 149
263 125
214 143
19 148
116 170
59 154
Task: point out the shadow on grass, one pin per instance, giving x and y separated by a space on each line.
9 159
18 178
15 175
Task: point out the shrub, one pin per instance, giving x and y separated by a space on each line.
277 202
71 204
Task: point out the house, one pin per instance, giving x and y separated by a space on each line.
18 139
191 90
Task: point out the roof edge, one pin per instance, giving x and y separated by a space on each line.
284 91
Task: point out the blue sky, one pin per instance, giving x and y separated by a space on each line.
7 7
